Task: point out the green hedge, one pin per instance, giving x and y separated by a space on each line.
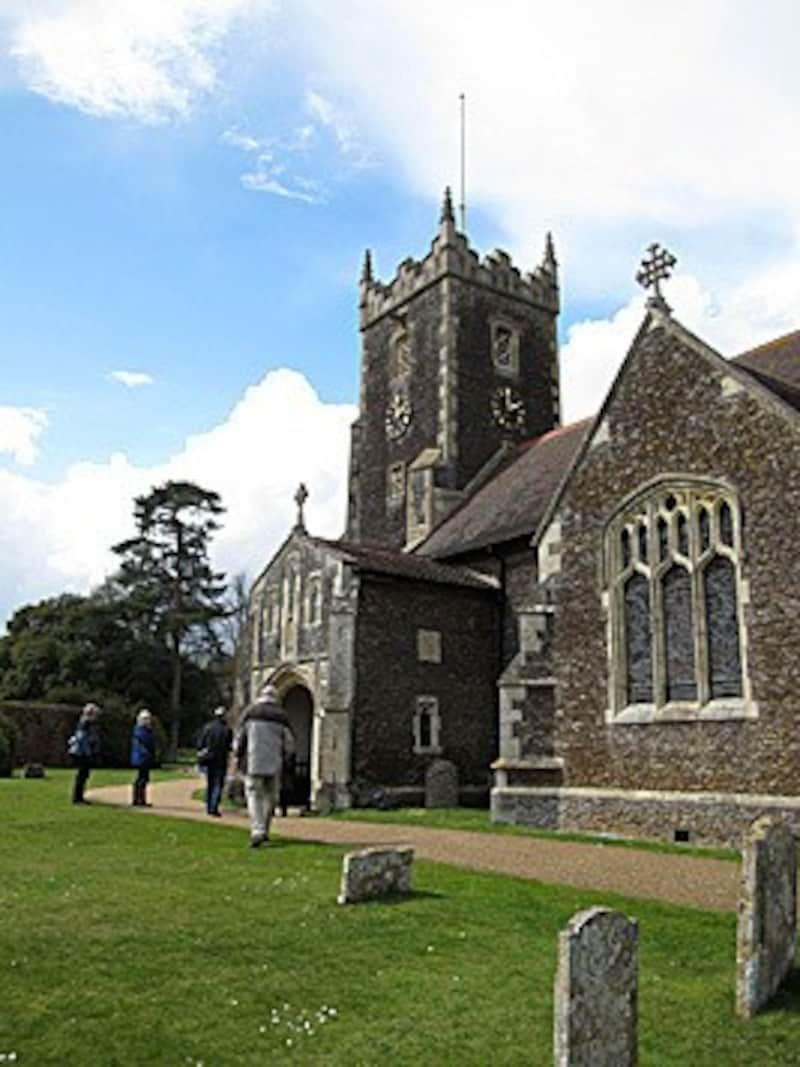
9 740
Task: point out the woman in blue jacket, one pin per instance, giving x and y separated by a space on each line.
143 756
84 747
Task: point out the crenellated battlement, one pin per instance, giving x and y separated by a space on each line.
451 254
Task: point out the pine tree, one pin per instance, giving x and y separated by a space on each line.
171 592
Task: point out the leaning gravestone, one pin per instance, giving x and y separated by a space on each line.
766 932
441 784
375 872
596 991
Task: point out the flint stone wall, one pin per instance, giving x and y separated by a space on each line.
375 872
766 935
596 991
441 784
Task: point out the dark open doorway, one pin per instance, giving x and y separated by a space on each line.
296 786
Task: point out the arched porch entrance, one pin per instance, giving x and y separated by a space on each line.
298 703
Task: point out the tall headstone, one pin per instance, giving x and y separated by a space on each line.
596 991
441 784
766 934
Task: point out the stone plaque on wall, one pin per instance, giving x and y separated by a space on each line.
766 933
429 646
596 991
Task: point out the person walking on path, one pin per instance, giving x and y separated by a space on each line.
84 747
263 740
214 745
143 756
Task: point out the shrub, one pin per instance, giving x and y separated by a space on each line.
9 740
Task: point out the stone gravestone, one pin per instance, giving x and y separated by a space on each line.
33 770
375 872
441 784
766 932
596 991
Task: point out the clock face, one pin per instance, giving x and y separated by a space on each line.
508 409
398 415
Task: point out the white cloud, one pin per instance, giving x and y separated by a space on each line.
266 179
57 537
612 126
131 378
146 60
20 429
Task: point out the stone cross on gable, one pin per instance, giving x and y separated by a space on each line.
300 497
656 267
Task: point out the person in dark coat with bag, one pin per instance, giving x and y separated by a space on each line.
213 748
84 747
143 756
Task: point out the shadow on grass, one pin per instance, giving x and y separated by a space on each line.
393 899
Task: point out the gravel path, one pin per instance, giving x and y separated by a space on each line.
687 880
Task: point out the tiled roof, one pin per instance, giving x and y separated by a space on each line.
511 503
776 365
378 559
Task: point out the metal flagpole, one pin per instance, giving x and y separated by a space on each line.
463 204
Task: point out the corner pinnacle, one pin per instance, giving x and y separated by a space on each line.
550 263
447 207
366 270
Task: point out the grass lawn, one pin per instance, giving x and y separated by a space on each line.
129 939
479 819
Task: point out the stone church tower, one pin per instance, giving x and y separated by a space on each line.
458 358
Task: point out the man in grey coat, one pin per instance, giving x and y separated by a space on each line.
263 741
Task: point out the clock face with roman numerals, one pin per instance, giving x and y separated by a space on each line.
508 408
398 415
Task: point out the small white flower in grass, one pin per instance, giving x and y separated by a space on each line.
289 1042
285 1007
462 933
430 948
234 1003
332 1012
262 1029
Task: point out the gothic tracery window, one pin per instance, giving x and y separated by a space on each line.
673 564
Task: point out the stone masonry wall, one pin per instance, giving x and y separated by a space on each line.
672 413
390 678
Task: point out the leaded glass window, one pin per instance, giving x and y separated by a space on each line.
638 640
673 559
724 661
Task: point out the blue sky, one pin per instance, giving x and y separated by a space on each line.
190 185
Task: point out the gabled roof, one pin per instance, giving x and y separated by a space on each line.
776 365
511 503
781 355
378 559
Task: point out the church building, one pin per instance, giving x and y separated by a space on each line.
595 623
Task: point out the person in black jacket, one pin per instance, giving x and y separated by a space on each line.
215 743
